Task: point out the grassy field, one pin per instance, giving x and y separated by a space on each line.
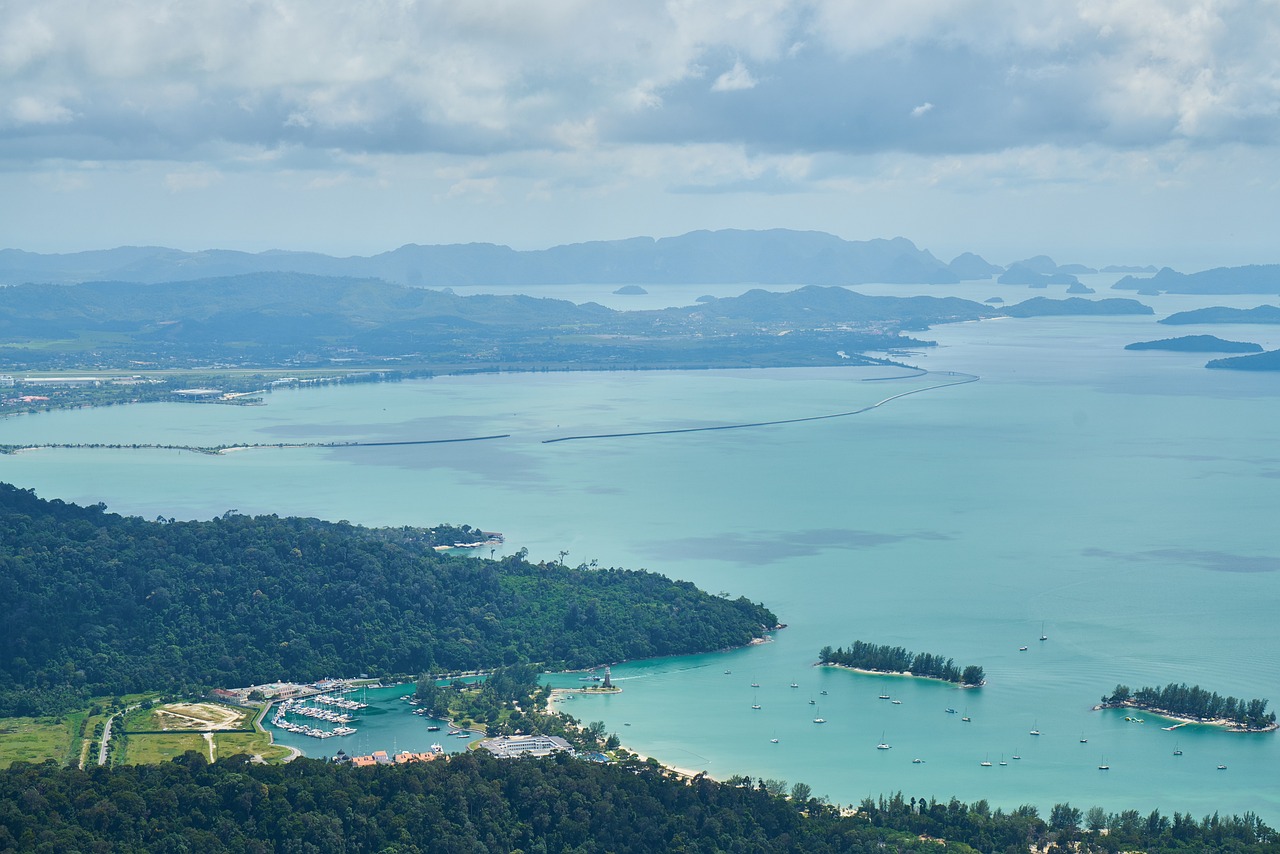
150 749
38 739
59 739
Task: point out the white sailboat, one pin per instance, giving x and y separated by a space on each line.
883 745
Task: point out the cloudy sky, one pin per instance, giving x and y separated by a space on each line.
1097 131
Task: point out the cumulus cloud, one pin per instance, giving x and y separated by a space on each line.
734 80
29 110
501 75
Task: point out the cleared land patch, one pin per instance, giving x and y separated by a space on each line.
199 717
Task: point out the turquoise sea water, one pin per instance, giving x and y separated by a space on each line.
1124 501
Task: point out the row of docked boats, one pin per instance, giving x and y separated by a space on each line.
288 707
327 715
339 702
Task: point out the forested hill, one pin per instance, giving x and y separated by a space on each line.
286 319
474 803
98 603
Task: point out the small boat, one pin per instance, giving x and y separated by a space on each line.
812 701
1222 768
1103 766
1043 636
823 693
1022 649
1002 762
773 741
883 745
917 761
950 711
727 672
464 735
1035 728
1083 740
884 696
1016 756
986 763
755 684
433 728
819 719
795 685
628 723
755 706
1177 751
897 702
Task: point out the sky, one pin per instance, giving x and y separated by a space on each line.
1097 131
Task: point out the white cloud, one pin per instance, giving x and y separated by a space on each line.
31 110
734 80
538 103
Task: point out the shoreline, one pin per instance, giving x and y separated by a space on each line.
1184 720
904 674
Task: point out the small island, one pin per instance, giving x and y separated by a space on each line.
1193 704
1197 344
631 291
1045 307
1262 314
895 660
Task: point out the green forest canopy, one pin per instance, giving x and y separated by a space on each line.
477 803
896 659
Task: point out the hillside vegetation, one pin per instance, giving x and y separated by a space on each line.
98 603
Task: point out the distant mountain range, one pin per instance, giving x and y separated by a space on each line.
1251 279
773 257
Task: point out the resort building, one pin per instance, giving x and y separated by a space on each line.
509 746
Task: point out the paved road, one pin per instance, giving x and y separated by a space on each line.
106 739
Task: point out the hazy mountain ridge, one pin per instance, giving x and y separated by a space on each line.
277 319
775 256
1249 279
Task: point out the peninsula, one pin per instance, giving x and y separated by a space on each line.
895 660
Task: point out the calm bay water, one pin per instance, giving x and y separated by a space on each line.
1124 501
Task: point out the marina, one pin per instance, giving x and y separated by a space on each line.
966 536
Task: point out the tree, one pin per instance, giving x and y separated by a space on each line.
1064 817
1095 819
801 792
777 788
